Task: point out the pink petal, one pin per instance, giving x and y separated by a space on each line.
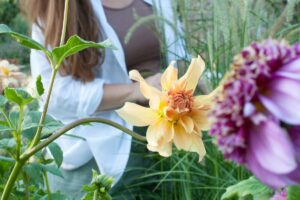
283 99
272 148
271 179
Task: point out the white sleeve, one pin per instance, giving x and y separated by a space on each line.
69 97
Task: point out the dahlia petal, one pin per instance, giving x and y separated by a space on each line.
159 130
163 148
131 112
201 121
169 77
272 148
193 74
189 142
187 123
292 67
283 106
147 90
271 179
294 133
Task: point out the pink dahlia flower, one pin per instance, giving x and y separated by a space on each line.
257 114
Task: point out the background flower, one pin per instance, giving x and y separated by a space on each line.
10 76
259 100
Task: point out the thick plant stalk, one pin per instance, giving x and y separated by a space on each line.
11 180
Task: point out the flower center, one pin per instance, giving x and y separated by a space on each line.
181 101
5 71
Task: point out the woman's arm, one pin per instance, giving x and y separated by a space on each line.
115 95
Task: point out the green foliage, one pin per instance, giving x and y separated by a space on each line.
74 45
293 192
251 189
18 96
31 123
39 85
8 10
56 153
99 188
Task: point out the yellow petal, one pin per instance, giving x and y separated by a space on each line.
163 148
189 142
169 77
138 115
187 123
147 90
192 76
201 120
158 131
201 100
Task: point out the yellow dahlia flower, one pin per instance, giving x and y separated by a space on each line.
175 115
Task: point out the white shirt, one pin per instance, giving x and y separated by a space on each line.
72 100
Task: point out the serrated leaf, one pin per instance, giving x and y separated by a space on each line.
23 39
56 152
293 192
3 101
74 45
39 85
249 187
19 96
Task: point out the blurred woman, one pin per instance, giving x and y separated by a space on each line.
93 82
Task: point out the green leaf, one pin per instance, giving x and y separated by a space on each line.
7 159
33 170
293 192
23 39
74 45
52 169
7 143
246 189
19 96
3 101
4 126
14 119
56 153
39 85
55 196
31 122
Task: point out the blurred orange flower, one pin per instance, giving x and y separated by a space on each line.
175 115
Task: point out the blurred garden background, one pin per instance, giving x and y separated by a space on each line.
215 29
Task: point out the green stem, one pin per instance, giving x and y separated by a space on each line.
64 28
95 195
6 118
37 136
60 132
11 180
19 133
26 183
47 185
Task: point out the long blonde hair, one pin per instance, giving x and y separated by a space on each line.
48 15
